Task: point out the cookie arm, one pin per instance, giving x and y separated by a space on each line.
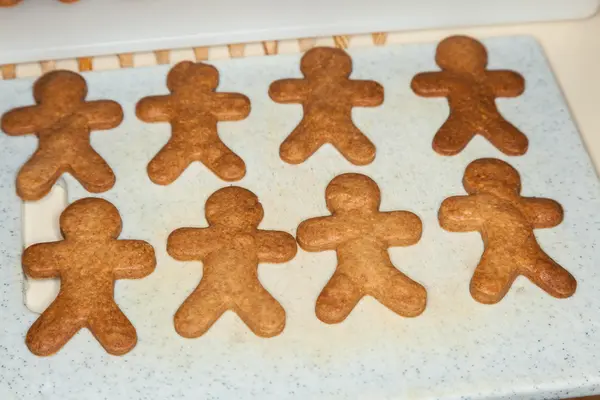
430 84
459 214
187 244
230 106
506 83
543 213
275 246
288 91
42 260
24 120
320 234
399 228
134 259
154 109
366 93
103 114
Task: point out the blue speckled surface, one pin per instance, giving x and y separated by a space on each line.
528 346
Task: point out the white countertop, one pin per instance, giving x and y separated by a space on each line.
50 29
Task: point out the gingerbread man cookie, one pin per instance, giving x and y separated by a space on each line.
7 3
506 222
471 90
87 261
231 249
327 96
62 121
360 234
193 109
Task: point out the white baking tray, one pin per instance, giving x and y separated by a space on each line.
530 345
47 29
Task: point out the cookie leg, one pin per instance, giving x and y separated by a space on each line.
550 276
260 311
169 163
112 329
199 311
53 329
223 162
506 137
494 275
94 174
338 299
302 143
37 176
453 136
354 145
401 294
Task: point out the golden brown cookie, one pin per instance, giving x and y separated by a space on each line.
62 121
193 109
361 234
506 222
231 249
87 261
327 96
7 3
471 90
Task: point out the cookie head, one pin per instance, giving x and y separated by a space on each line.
348 192
326 61
60 87
488 174
187 74
90 217
234 207
461 54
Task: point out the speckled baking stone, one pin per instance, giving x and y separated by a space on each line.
530 345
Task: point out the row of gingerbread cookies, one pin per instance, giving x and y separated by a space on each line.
62 119
90 258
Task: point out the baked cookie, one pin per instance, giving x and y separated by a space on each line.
87 261
471 90
231 248
8 3
62 121
360 235
506 222
327 96
193 109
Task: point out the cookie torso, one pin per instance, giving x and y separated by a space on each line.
328 101
358 258
502 218
191 103
66 135
468 91
234 261
90 272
